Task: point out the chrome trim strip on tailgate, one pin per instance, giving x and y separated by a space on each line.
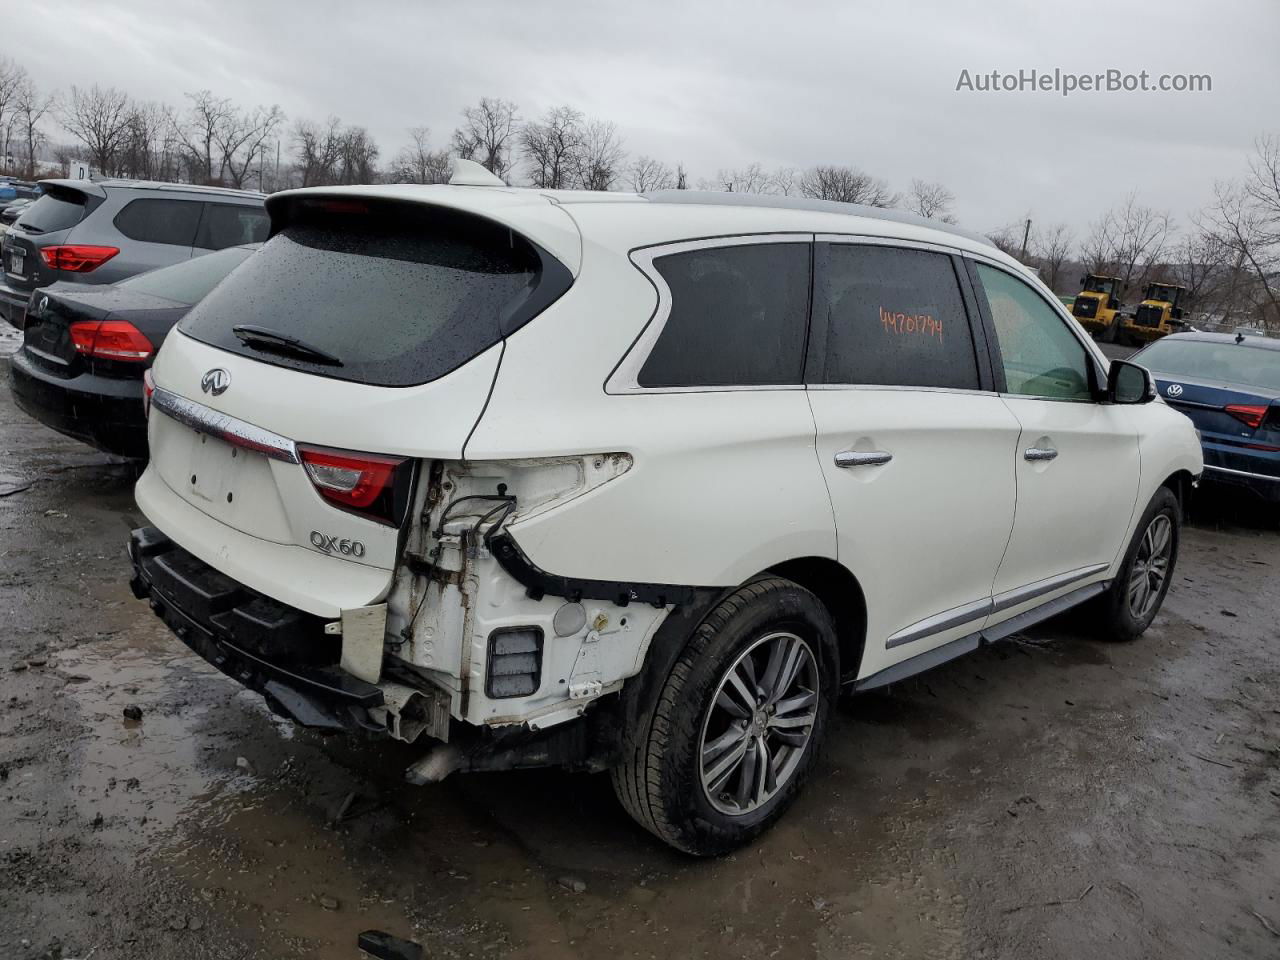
203 419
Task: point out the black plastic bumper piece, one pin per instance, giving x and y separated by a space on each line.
271 648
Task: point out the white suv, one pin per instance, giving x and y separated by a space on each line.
635 482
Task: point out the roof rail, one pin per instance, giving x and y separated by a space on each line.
806 203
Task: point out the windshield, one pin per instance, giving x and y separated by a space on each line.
190 281
1156 292
1214 360
53 212
399 297
1097 285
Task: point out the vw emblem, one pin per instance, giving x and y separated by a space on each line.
1174 390
215 381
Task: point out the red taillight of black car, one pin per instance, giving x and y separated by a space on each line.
111 340
77 257
363 483
1251 415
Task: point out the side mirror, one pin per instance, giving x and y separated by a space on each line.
1129 383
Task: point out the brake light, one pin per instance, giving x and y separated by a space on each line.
148 388
363 483
77 257
1248 414
111 340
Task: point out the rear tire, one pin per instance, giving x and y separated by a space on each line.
709 772
1138 591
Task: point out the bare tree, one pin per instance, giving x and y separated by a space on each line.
1051 248
29 109
601 156
753 178
319 149
552 148
418 163
1246 228
358 157
199 130
930 200
242 136
487 134
1127 241
786 181
98 118
646 173
682 178
846 185
12 78
152 146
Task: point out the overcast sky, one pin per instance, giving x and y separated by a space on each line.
722 84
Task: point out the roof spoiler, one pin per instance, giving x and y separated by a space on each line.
87 187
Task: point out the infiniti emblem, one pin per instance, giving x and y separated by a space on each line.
215 381
1175 390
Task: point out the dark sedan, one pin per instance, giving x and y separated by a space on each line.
1229 385
86 349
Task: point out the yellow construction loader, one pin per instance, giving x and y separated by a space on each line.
1097 305
1159 314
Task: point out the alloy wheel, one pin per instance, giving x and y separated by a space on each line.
1150 566
759 723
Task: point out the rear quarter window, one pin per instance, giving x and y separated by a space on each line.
231 225
895 317
159 221
737 318
401 294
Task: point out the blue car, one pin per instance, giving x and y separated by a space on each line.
1229 385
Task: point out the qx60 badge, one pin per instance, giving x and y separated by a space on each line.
215 381
327 544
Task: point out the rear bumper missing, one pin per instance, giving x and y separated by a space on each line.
275 650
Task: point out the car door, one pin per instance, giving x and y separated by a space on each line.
1076 463
158 230
912 439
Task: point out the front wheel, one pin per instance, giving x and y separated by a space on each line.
738 723
1135 596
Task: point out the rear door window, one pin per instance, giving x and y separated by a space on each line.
231 225
154 220
895 317
54 212
738 317
400 294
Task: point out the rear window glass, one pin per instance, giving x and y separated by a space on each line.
52 213
896 317
160 221
191 280
1210 360
738 317
400 296
230 225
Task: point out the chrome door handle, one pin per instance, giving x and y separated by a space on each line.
854 458
1039 453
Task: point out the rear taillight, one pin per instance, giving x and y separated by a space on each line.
148 388
77 257
364 483
111 340
1247 413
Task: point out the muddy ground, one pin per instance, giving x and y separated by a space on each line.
1051 797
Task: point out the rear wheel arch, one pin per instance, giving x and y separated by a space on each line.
841 593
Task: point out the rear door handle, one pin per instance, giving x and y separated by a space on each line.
854 458
1039 453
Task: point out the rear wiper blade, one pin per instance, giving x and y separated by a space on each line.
265 339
